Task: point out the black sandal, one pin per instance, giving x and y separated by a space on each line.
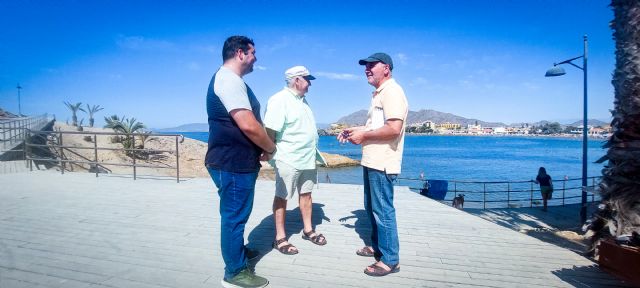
317 239
284 249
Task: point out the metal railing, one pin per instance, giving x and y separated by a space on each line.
67 156
13 130
511 194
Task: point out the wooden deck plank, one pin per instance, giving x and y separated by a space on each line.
76 230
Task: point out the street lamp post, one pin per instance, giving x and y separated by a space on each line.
559 71
19 108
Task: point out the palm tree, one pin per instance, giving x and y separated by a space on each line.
126 126
112 120
619 213
92 110
74 110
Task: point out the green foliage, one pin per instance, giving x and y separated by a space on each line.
418 129
74 110
568 129
92 110
127 126
547 128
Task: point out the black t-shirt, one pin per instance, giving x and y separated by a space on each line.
544 180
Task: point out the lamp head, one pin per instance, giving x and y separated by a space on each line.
555 71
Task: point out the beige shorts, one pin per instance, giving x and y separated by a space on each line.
289 180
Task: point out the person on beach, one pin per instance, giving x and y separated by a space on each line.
546 186
290 123
382 140
237 143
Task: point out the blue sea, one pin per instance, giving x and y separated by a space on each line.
471 158
463 161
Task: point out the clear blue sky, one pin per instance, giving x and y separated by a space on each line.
153 59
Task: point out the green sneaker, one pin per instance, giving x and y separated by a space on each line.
245 279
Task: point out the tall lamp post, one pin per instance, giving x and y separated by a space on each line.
19 108
559 71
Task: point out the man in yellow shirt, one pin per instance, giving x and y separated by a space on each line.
382 140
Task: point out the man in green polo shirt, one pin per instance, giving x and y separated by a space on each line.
290 123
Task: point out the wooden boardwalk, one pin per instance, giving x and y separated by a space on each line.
76 230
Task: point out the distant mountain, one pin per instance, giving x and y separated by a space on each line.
354 119
442 117
592 122
192 127
360 118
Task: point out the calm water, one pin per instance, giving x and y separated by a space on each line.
479 158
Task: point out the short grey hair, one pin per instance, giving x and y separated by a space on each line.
290 81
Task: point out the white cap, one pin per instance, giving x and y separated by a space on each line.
296 71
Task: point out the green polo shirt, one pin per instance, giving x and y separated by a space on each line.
290 116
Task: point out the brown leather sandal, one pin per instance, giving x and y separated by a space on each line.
317 239
379 271
365 251
286 248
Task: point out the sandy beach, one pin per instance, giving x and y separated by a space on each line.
191 154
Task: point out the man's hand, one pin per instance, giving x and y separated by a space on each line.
344 135
356 137
265 156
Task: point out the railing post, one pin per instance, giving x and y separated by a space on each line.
95 152
26 147
484 196
178 162
564 185
531 196
508 193
62 163
133 155
455 188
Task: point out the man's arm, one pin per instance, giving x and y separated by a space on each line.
271 134
252 128
391 130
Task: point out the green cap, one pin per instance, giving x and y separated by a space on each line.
378 57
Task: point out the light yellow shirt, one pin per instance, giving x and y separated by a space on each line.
290 116
388 102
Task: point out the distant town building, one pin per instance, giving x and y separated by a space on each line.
474 129
449 125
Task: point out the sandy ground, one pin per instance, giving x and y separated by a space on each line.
191 154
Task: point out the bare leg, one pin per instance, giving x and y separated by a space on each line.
279 214
306 204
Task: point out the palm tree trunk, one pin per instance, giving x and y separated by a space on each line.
620 186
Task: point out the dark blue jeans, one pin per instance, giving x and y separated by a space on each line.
236 192
378 202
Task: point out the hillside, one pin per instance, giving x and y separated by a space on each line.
360 117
